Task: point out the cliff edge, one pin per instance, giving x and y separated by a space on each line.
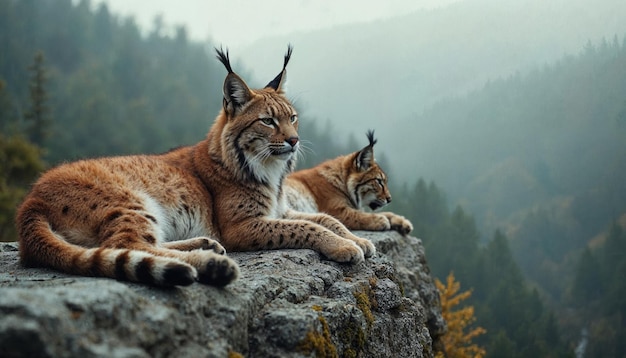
287 303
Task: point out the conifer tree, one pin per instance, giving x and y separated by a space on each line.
37 119
6 108
458 339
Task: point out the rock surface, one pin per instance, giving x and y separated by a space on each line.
287 303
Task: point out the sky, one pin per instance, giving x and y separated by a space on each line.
238 23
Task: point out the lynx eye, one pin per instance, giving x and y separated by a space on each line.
267 121
380 182
293 119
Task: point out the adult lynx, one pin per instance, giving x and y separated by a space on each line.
166 219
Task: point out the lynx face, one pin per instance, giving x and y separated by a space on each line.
260 126
268 140
371 189
343 187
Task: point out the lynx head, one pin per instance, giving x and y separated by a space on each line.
259 126
367 182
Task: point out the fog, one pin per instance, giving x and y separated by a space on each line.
237 23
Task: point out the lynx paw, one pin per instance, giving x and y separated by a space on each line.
196 243
210 244
347 252
218 270
176 274
400 224
368 248
380 223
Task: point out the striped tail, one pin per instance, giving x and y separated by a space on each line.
40 246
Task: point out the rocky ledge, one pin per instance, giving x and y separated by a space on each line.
287 303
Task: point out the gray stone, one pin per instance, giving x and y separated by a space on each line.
287 303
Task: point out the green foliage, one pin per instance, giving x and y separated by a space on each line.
598 292
20 163
587 285
8 117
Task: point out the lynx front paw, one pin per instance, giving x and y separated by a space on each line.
399 223
347 252
368 248
218 270
380 223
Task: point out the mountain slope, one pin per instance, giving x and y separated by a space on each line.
378 74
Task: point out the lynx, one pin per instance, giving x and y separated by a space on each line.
343 187
168 219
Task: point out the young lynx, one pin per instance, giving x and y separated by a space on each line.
157 219
342 187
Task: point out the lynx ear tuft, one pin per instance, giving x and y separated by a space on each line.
370 137
365 157
278 81
224 58
236 92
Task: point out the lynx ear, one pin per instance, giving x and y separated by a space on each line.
365 157
278 81
236 92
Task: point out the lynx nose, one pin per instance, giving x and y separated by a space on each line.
292 141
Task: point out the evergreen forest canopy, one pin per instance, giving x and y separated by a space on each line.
540 155
111 91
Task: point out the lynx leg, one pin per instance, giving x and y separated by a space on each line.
196 243
336 227
263 234
129 230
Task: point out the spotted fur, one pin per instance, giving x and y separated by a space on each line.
343 187
167 219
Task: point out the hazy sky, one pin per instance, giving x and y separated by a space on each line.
237 23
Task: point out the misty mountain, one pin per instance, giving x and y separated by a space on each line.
382 74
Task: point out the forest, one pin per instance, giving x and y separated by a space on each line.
536 233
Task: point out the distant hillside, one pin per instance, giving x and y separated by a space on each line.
381 73
557 132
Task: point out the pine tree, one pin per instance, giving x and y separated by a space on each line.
8 114
37 115
588 283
